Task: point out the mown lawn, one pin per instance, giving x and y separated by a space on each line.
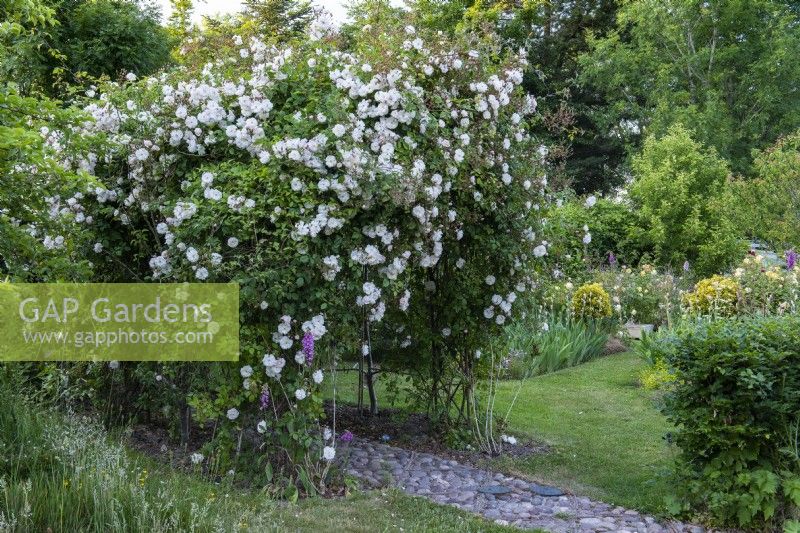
606 436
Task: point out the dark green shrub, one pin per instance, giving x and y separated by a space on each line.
612 225
736 407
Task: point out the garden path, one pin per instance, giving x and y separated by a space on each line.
449 482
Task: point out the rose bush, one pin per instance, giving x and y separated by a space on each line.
376 202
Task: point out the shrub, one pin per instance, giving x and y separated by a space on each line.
612 225
735 403
715 296
591 301
678 195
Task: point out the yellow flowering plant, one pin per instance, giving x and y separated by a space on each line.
714 296
591 301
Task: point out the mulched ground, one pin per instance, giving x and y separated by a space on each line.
155 441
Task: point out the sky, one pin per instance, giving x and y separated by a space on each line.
214 7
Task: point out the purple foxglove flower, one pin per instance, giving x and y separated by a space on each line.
612 259
791 259
686 266
308 347
347 436
264 398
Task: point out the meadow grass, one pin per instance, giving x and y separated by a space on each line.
63 473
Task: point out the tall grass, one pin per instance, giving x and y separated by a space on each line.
63 473
566 342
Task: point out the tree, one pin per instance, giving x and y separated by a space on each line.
180 20
767 207
109 37
97 37
281 19
678 192
723 68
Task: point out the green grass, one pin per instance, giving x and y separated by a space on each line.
605 434
65 474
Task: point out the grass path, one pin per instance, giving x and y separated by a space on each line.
605 432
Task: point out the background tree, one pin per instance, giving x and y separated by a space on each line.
281 19
108 37
97 37
767 207
180 19
722 68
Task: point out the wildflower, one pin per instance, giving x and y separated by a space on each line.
233 242
197 458
262 427
113 365
347 436
246 371
328 453
791 259
590 201
686 266
300 394
338 130
233 413
612 259
540 251
317 376
98 247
